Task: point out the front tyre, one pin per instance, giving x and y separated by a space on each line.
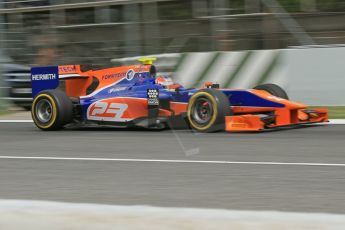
207 109
51 110
273 89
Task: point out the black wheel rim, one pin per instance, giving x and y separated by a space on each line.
202 111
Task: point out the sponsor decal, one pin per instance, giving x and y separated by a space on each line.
130 74
106 111
114 75
275 98
153 97
116 89
67 69
42 77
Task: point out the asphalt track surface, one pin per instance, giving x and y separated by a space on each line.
303 188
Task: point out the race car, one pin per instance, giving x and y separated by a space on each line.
135 95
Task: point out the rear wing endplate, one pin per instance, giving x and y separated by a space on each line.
44 78
47 77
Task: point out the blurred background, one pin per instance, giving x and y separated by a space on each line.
106 32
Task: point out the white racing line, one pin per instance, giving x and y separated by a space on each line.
267 163
16 121
331 121
33 215
335 121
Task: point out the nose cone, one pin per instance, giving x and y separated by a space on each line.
288 104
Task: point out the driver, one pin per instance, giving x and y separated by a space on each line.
167 82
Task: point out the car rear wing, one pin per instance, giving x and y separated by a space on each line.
48 77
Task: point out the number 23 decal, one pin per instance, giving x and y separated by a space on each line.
106 111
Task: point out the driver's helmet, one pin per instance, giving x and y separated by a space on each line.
164 81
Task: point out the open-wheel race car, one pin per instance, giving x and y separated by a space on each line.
135 96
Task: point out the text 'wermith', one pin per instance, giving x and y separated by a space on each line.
48 76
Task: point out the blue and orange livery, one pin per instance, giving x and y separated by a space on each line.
135 96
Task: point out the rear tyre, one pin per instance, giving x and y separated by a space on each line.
51 110
207 109
273 89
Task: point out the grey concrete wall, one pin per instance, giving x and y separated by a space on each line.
316 76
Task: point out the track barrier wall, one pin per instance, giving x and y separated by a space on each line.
315 76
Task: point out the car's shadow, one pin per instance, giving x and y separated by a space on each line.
109 128
96 128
